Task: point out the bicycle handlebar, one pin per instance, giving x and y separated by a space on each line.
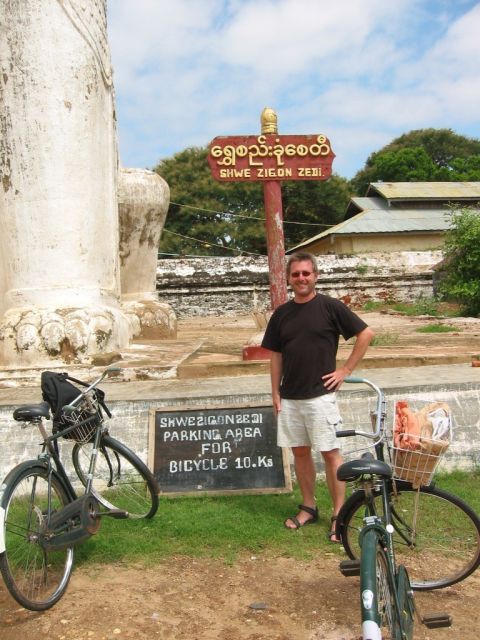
380 412
70 408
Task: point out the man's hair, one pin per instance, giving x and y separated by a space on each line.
300 256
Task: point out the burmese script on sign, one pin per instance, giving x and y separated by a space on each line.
271 157
220 449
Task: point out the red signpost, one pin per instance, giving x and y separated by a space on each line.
271 159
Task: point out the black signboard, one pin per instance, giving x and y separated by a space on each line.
217 449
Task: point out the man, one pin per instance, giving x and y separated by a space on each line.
303 336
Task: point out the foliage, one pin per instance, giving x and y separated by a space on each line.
462 260
200 209
431 155
321 203
227 219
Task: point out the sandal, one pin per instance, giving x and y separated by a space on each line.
313 511
333 533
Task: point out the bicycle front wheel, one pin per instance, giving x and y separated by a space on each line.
121 480
436 534
377 592
37 579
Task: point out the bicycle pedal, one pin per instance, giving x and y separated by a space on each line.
350 567
437 620
117 514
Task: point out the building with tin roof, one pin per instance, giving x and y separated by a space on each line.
395 216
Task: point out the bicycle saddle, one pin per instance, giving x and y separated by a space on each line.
29 412
367 466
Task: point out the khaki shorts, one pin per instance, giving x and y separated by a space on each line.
309 423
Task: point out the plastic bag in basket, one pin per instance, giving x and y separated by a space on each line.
419 440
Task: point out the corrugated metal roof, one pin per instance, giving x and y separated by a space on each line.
356 205
382 219
376 216
422 190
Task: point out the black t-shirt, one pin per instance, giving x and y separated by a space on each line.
307 336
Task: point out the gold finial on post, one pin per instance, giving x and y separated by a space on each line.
269 121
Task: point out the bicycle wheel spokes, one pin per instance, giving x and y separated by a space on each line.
386 600
437 540
436 537
35 578
121 480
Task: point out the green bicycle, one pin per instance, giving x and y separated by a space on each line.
388 608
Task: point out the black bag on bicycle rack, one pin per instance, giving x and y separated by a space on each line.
58 391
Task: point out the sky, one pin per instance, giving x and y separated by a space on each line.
361 72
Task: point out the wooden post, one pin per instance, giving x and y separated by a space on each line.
272 196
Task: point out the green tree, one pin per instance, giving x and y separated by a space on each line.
432 155
227 218
321 203
200 209
461 281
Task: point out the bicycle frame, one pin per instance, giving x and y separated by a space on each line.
377 534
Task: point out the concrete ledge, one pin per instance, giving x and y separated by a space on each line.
132 404
209 367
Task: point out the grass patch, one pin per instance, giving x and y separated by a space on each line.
462 484
420 307
214 527
230 526
385 339
438 328
373 305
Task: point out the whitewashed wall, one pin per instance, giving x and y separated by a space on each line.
217 286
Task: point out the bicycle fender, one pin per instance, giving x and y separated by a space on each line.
10 477
28 464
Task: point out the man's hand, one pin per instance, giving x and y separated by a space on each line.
334 380
277 405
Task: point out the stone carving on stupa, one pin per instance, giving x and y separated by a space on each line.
65 254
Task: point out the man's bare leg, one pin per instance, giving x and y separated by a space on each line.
336 488
306 475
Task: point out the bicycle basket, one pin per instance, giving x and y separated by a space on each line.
58 391
418 440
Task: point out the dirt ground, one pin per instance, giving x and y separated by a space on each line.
397 340
258 597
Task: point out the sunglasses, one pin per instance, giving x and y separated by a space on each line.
297 274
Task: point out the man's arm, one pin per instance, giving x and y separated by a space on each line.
276 377
334 380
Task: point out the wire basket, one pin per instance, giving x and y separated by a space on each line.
415 456
86 417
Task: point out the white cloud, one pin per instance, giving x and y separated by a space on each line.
361 71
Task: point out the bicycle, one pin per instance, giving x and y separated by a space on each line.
436 534
42 514
386 595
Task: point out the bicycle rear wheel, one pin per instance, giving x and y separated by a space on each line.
436 537
37 579
121 480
